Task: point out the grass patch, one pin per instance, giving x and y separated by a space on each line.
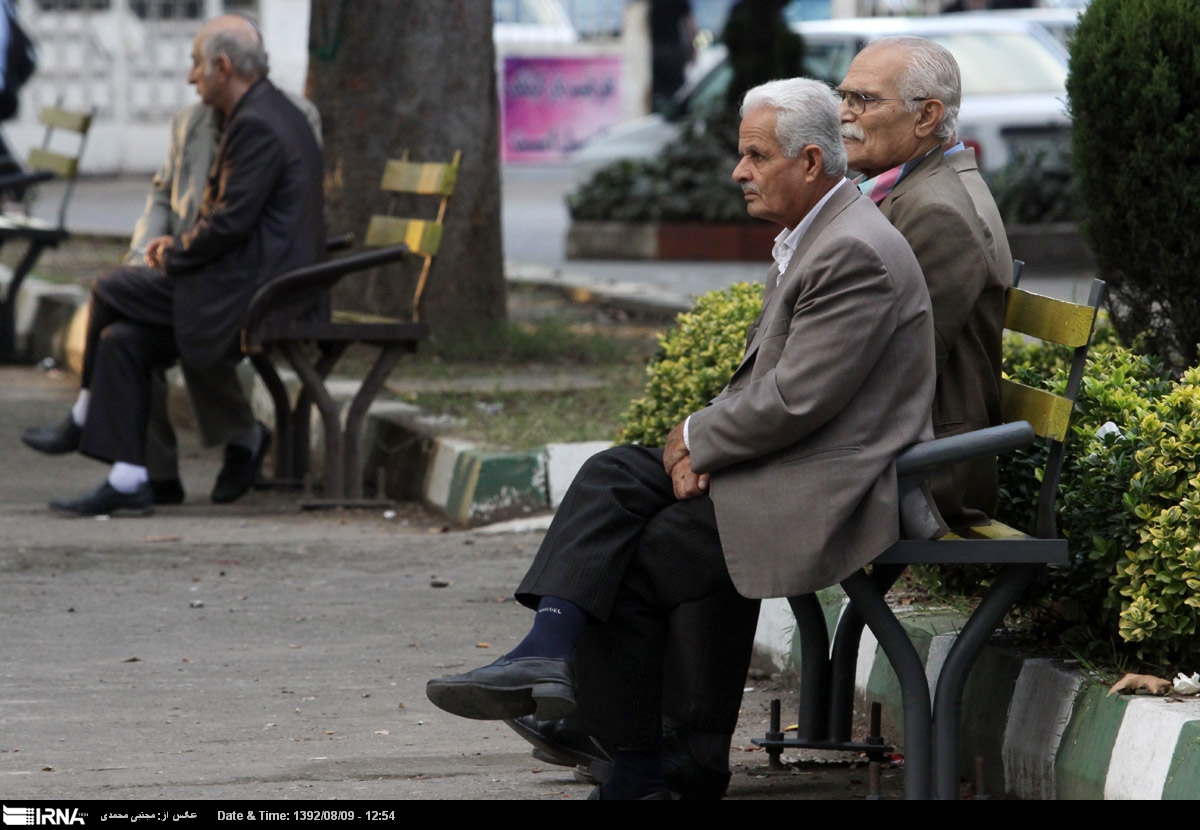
548 341
524 419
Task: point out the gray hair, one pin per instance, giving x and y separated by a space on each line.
243 45
933 73
806 113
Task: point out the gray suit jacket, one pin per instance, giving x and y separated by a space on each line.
262 215
944 210
838 378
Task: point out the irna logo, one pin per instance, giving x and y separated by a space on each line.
40 816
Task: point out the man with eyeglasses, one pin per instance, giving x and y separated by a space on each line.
899 110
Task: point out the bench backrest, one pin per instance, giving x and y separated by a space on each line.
422 235
63 164
1068 324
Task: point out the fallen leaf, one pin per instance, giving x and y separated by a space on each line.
483 645
1134 683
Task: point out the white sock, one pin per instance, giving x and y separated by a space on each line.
127 478
79 410
251 439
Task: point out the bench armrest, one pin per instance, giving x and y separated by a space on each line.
918 516
10 181
312 282
922 459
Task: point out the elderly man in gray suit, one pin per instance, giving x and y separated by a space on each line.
785 484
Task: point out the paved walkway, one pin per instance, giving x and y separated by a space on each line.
252 651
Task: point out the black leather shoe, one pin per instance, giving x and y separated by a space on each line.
59 439
693 781
508 689
167 491
553 743
684 774
105 501
241 469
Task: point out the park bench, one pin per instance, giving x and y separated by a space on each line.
932 724
313 345
45 163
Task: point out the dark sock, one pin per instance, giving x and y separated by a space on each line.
557 627
636 774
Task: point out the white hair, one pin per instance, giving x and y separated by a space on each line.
806 112
931 73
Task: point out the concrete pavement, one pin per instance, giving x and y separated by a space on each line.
252 651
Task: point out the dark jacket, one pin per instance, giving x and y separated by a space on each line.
262 215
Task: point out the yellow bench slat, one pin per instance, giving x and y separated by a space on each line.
60 119
64 167
421 236
1049 414
424 179
1049 319
344 316
996 531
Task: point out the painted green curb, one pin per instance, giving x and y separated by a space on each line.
1081 767
493 485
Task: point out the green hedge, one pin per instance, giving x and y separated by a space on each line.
1130 496
1134 96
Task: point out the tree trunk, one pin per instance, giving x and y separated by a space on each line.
418 75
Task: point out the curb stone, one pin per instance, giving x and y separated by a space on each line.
1045 729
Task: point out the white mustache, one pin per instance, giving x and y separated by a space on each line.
751 187
852 132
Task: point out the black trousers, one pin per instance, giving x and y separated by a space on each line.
624 549
129 335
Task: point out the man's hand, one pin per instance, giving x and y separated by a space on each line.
674 450
156 250
687 484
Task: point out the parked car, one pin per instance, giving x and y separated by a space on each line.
1013 72
519 22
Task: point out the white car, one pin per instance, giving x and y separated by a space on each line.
1013 73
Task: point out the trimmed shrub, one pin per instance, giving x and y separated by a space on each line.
695 360
1134 92
691 180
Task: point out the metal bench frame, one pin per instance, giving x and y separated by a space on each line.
932 725
45 164
270 328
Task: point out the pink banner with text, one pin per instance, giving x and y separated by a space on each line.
552 105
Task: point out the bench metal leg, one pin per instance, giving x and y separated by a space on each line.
947 712
846 643
313 379
914 687
813 719
285 456
371 386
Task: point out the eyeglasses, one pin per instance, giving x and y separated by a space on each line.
856 102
